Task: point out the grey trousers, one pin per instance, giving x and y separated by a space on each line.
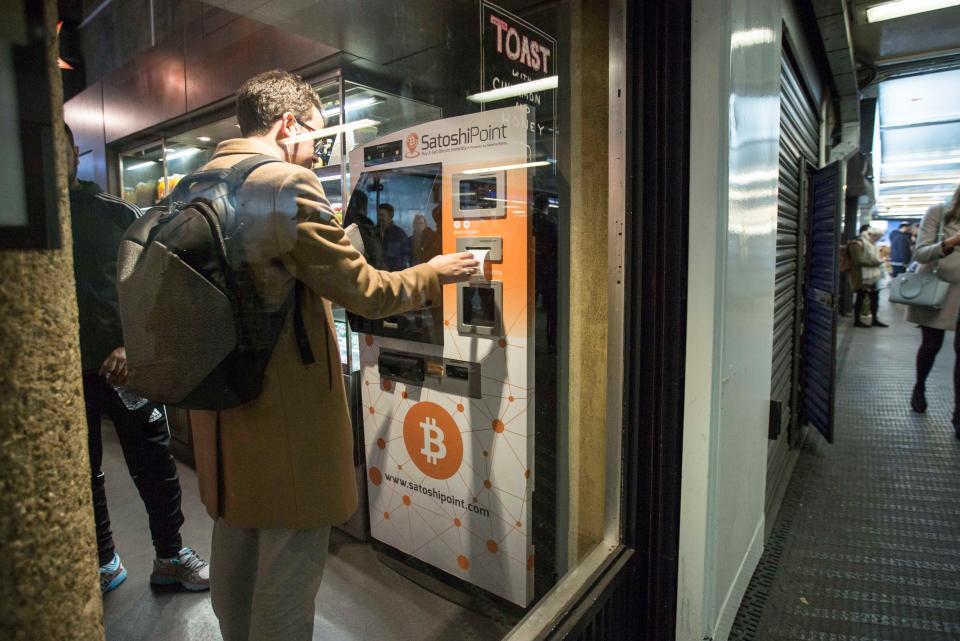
263 582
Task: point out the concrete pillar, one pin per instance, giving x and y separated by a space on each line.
587 360
48 576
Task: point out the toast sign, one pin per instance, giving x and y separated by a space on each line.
514 51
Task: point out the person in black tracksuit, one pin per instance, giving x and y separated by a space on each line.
99 221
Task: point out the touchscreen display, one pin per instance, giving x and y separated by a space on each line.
478 193
397 212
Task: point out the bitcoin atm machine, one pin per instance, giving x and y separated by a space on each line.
448 391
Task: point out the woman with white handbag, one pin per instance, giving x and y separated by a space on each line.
936 252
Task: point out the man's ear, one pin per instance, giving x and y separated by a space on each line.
287 123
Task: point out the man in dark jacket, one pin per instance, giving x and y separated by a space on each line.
901 249
99 221
395 242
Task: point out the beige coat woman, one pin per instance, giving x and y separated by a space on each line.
867 265
285 459
929 254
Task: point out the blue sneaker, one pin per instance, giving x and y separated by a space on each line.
186 569
112 574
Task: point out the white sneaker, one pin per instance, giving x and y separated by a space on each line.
187 569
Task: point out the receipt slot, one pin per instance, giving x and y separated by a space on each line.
448 391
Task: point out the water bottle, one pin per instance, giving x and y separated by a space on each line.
129 398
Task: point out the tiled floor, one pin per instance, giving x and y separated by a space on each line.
360 600
867 544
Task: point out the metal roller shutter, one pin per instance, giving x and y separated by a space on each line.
799 145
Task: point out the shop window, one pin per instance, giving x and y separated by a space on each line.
143 176
486 455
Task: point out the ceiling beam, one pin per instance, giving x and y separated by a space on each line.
833 18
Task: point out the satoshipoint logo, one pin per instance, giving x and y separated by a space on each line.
412 141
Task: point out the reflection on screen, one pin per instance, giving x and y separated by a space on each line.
479 307
398 214
478 193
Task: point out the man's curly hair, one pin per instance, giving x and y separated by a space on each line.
263 99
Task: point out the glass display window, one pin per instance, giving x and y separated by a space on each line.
142 175
188 151
414 150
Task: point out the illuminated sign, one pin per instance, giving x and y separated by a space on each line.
515 52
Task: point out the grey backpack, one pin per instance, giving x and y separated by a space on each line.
196 332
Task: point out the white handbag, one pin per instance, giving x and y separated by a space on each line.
921 289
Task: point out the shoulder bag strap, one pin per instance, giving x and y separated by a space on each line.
238 173
299 328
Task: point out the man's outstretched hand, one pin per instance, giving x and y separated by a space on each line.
454 268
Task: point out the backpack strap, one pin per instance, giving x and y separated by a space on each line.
299 329
234 178
239 172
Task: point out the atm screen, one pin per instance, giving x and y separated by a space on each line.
398 214
478 193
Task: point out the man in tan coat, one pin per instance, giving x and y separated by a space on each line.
277 472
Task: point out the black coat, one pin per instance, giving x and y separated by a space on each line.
99 221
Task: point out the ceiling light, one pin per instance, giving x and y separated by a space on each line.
919 203
141 165
922 163
752 37
522 89
329 131
352 105
919 194
61 63
900 8
181 153
327 179
522 165
203 138
914 183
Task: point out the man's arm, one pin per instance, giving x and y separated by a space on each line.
323 258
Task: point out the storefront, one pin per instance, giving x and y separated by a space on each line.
549 137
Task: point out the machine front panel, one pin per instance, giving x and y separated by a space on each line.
448 425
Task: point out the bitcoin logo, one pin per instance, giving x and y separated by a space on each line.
433 447
433 440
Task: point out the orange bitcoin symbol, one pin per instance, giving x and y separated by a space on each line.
433 440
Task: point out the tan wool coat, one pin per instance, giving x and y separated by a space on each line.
285 459
929 254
